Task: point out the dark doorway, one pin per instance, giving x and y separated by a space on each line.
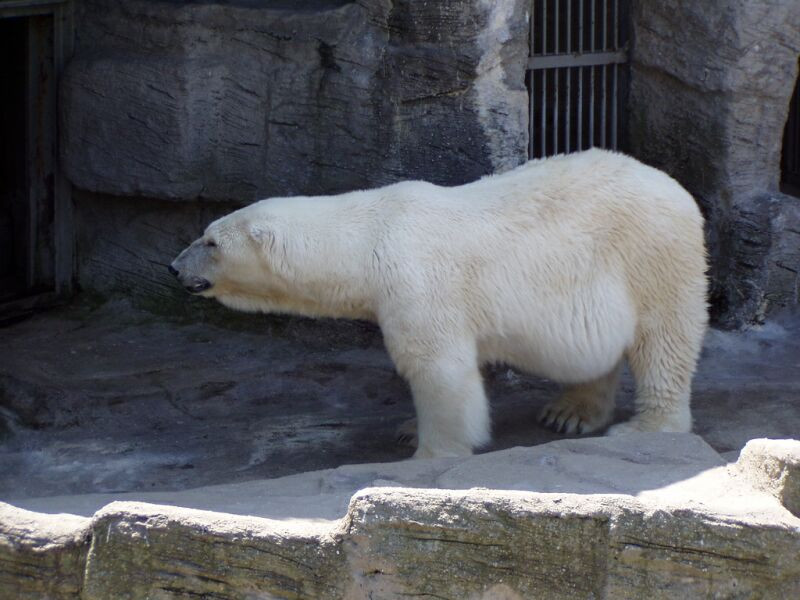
35 212
14 214
790 158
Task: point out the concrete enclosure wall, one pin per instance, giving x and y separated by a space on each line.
206 103
226 101
189 109
711 83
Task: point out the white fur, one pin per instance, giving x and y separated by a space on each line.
560 267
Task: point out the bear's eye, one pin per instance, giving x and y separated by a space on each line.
211 244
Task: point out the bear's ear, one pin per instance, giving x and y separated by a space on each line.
263 236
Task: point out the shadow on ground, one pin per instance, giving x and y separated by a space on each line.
111 398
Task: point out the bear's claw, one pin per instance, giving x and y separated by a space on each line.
561 421
406 433
570 417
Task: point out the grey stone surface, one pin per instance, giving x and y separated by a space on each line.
241 100
656 515
41 556
233 101
188 422
709 96
110 398
774 466
648 466
125 244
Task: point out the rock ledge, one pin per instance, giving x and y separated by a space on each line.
657 515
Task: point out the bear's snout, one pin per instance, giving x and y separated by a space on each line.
192 284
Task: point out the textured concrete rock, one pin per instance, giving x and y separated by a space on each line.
145 551
240 100
41 556
659 516
660 466
709 96
100 399
774 466
124 245
479 545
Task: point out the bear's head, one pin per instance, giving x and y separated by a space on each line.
232 262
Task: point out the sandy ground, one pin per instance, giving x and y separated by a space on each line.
111 398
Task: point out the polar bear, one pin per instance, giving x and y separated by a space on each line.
561 267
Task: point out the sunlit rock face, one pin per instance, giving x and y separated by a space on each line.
709 97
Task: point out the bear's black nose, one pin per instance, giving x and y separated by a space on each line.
173 270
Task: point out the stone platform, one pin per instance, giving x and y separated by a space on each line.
648 515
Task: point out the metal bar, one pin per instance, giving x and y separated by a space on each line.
556 76
615 82
544 26
531 79
568 72
614 117
604 106
556 28
556 85
580 77
531 112
591 82
543 132
588 59
605 25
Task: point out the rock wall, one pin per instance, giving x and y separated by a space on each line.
124 245
229 101
240 100
709 97
217 104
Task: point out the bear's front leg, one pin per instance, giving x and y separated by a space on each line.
452 409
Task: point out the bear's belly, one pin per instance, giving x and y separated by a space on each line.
577 342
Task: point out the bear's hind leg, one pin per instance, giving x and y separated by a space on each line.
663 359
585 407
452 409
